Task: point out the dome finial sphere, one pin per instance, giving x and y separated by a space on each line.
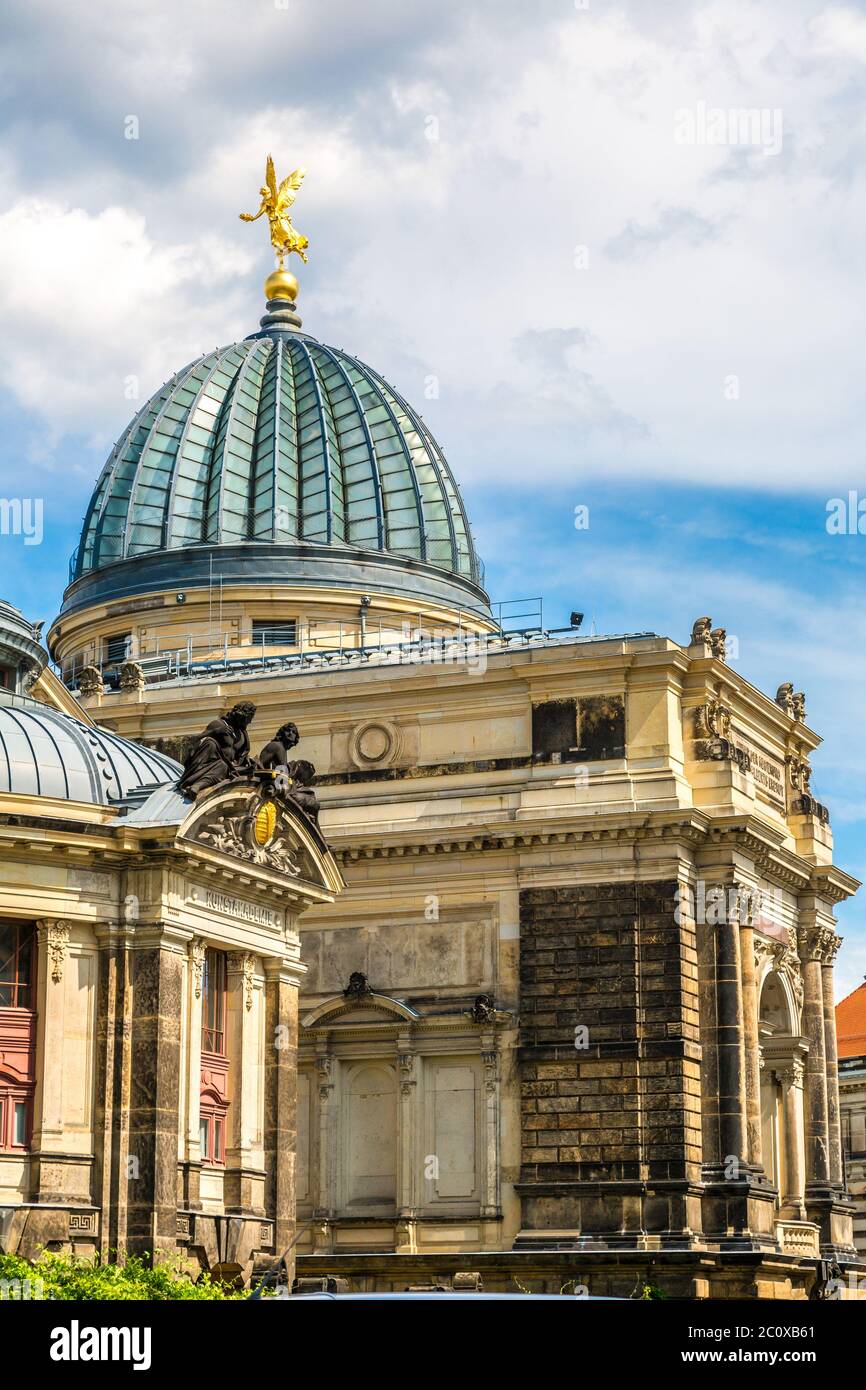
281 284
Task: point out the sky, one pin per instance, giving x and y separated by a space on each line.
611 250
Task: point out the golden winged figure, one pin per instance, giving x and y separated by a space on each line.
276 201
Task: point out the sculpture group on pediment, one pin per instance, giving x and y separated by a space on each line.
221 753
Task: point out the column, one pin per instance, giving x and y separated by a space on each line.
834 1122
282 975
46 1171
111 1107
794 1176
154 1018
407 1195
491 1188
329 1135
751 1047
192 1142
243 1182
816 1118
729 996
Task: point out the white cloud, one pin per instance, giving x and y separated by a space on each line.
89 302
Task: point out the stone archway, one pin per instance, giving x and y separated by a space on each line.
783 1052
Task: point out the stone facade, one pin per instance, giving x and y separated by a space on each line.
612 835
114 1160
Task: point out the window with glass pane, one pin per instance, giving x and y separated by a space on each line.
213 1008
204 1130
117 646
16 965
19 1125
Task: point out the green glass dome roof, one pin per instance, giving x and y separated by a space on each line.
278 440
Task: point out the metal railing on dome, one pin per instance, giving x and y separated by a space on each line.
201 657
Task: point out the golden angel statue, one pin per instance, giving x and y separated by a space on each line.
276 202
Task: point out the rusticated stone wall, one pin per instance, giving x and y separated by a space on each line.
611 1128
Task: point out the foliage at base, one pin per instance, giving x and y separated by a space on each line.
68 1278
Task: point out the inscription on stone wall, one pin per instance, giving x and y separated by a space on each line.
239 908
768 772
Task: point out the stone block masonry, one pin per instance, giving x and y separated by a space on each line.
610 1064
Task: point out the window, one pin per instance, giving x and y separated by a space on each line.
213 1007
17 1032
16 965
117 647
212 1126
275 632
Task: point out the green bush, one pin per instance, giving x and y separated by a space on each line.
66 1277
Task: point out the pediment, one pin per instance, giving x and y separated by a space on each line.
369 1009
264 830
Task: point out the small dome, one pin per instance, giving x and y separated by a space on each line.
46 753
279 440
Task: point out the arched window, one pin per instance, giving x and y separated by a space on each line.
782 1117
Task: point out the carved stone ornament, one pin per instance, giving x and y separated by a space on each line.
799 773
490 1062
324 1070
406 1064
783 960
701 630
819 943
132 676
90 681
358 986
712 720
718 643
197 953
791 701
793 1073
257 828
244 964
484 1009
55 937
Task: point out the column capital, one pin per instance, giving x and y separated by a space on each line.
243 964
818 942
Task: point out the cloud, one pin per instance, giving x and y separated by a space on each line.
672 227
445 205
143 306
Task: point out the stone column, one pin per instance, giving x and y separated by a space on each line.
329 1135
491 1189
111 1108
751 1046
407 1062
191 1196
282 975
243 1182
834 1123
729 996
47 1138
794 1176
817 1135
156 983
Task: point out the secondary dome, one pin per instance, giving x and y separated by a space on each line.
278 445
46 753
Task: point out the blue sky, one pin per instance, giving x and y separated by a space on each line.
504 221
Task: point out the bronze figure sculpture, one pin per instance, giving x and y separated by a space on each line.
220 753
